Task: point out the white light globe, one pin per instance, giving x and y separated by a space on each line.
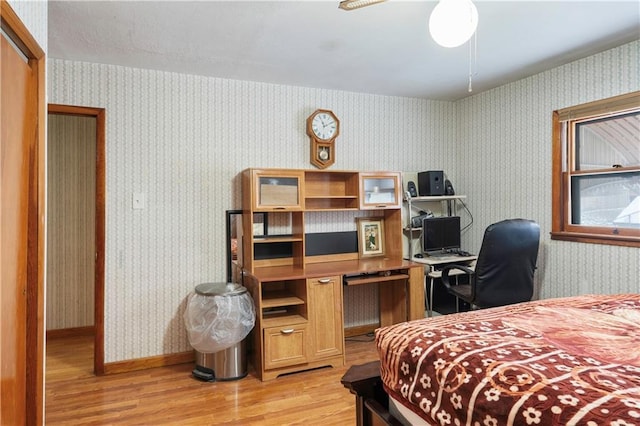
453 22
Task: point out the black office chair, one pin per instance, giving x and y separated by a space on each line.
503 274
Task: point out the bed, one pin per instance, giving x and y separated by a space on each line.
565 361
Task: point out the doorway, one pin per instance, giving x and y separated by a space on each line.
76 238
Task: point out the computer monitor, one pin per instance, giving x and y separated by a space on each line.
440 234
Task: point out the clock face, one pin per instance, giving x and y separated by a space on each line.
324 126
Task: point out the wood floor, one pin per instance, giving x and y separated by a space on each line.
170 396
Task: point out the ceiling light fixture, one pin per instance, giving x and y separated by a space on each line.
357 4
453 22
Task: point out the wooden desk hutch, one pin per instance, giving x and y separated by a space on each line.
298 296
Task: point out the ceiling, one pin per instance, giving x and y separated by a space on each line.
381 49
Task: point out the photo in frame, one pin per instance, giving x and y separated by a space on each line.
370 236
259 224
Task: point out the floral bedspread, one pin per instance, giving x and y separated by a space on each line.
566 361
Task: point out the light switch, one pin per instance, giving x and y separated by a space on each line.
139 200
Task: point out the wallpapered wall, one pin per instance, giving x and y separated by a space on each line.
183 140
33 13
71 195
504 164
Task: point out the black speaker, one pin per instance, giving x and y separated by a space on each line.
448 188
431 183
411 187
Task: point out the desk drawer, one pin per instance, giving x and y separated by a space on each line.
285 346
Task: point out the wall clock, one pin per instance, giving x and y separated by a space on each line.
323 127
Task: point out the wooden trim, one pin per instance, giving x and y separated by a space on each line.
614 104
323 258
563 156
265 263
100 232
149 362
415 293
36 255
359 330
101 194
34 397
74 110
613 233
595 239
557 198
71 332
19 33
607 171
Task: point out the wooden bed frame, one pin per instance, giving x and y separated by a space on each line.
372 402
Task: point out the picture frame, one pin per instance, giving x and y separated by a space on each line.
260 225
370 236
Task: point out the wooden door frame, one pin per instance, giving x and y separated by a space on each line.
34 395
99 115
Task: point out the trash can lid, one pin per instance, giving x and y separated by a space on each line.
220 289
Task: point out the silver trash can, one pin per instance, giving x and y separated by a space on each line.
229 363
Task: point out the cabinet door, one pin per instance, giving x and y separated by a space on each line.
325 316
380 190
285 346
277 190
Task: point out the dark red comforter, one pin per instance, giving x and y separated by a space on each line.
567 361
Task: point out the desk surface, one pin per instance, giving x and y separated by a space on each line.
345 267
433 274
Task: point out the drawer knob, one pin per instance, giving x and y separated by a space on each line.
287 331
324 280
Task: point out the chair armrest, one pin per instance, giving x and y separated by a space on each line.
446 269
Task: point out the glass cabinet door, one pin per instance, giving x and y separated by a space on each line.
278 191
379 190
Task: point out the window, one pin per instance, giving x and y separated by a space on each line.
596 172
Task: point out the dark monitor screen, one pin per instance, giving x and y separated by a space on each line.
440 233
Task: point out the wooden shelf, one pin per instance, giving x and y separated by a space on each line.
331 209
335 197
276 239
274 299
282 320
411 229
331 202
438 198
331 184
410 202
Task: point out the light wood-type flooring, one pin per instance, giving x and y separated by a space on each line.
170 396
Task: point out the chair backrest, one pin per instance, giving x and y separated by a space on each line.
506 263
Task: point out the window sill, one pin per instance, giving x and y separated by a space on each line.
626 241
